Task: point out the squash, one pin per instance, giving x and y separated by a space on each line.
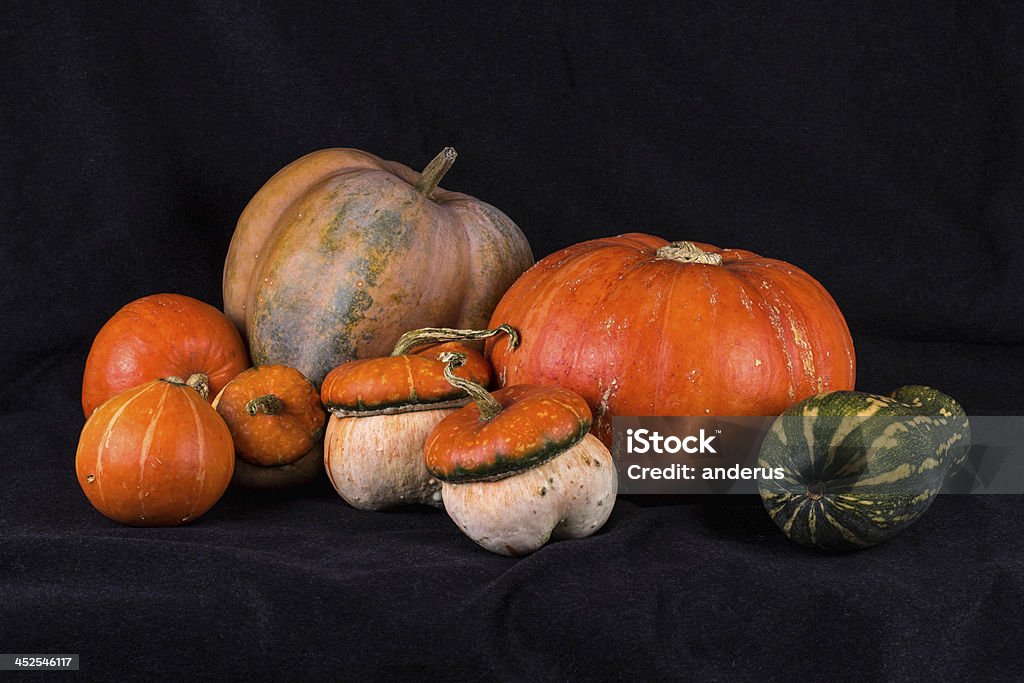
519 467
155 455
860 468
638 326
382 410
340 252
162 335
276 420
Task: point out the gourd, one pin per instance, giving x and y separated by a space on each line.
155 455
277 425
638 326
341 252
162 335
382 410
519 466
860 468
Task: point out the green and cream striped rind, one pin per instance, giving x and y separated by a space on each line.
859 468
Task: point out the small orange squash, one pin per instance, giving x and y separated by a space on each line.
155 455
162 335
277 423
274 414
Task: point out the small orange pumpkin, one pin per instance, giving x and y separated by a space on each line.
162 335
155 455
274 414
383 409
277 423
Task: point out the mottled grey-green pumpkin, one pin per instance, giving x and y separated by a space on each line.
860 468
341 252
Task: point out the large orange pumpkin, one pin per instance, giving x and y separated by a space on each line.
155 455
639 326
341 252
162 335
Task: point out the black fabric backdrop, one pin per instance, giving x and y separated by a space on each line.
878 146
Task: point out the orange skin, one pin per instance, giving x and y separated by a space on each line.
393 381
162 335
155 455
272 439
536 423
339 254
635 334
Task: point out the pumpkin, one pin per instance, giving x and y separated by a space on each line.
275 418
382 410
155 455
519 466
638 326
860 468
162 335
340 252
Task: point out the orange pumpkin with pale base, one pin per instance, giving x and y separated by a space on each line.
519 466
277 422
155 455
639 326
382 410
162 335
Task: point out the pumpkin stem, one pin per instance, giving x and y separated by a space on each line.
199 381
437 335
488 405
435 170
688 252
268 403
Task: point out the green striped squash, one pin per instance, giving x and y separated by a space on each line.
859 468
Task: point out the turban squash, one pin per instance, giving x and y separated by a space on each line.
639 326
384 408
519 466
341 252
